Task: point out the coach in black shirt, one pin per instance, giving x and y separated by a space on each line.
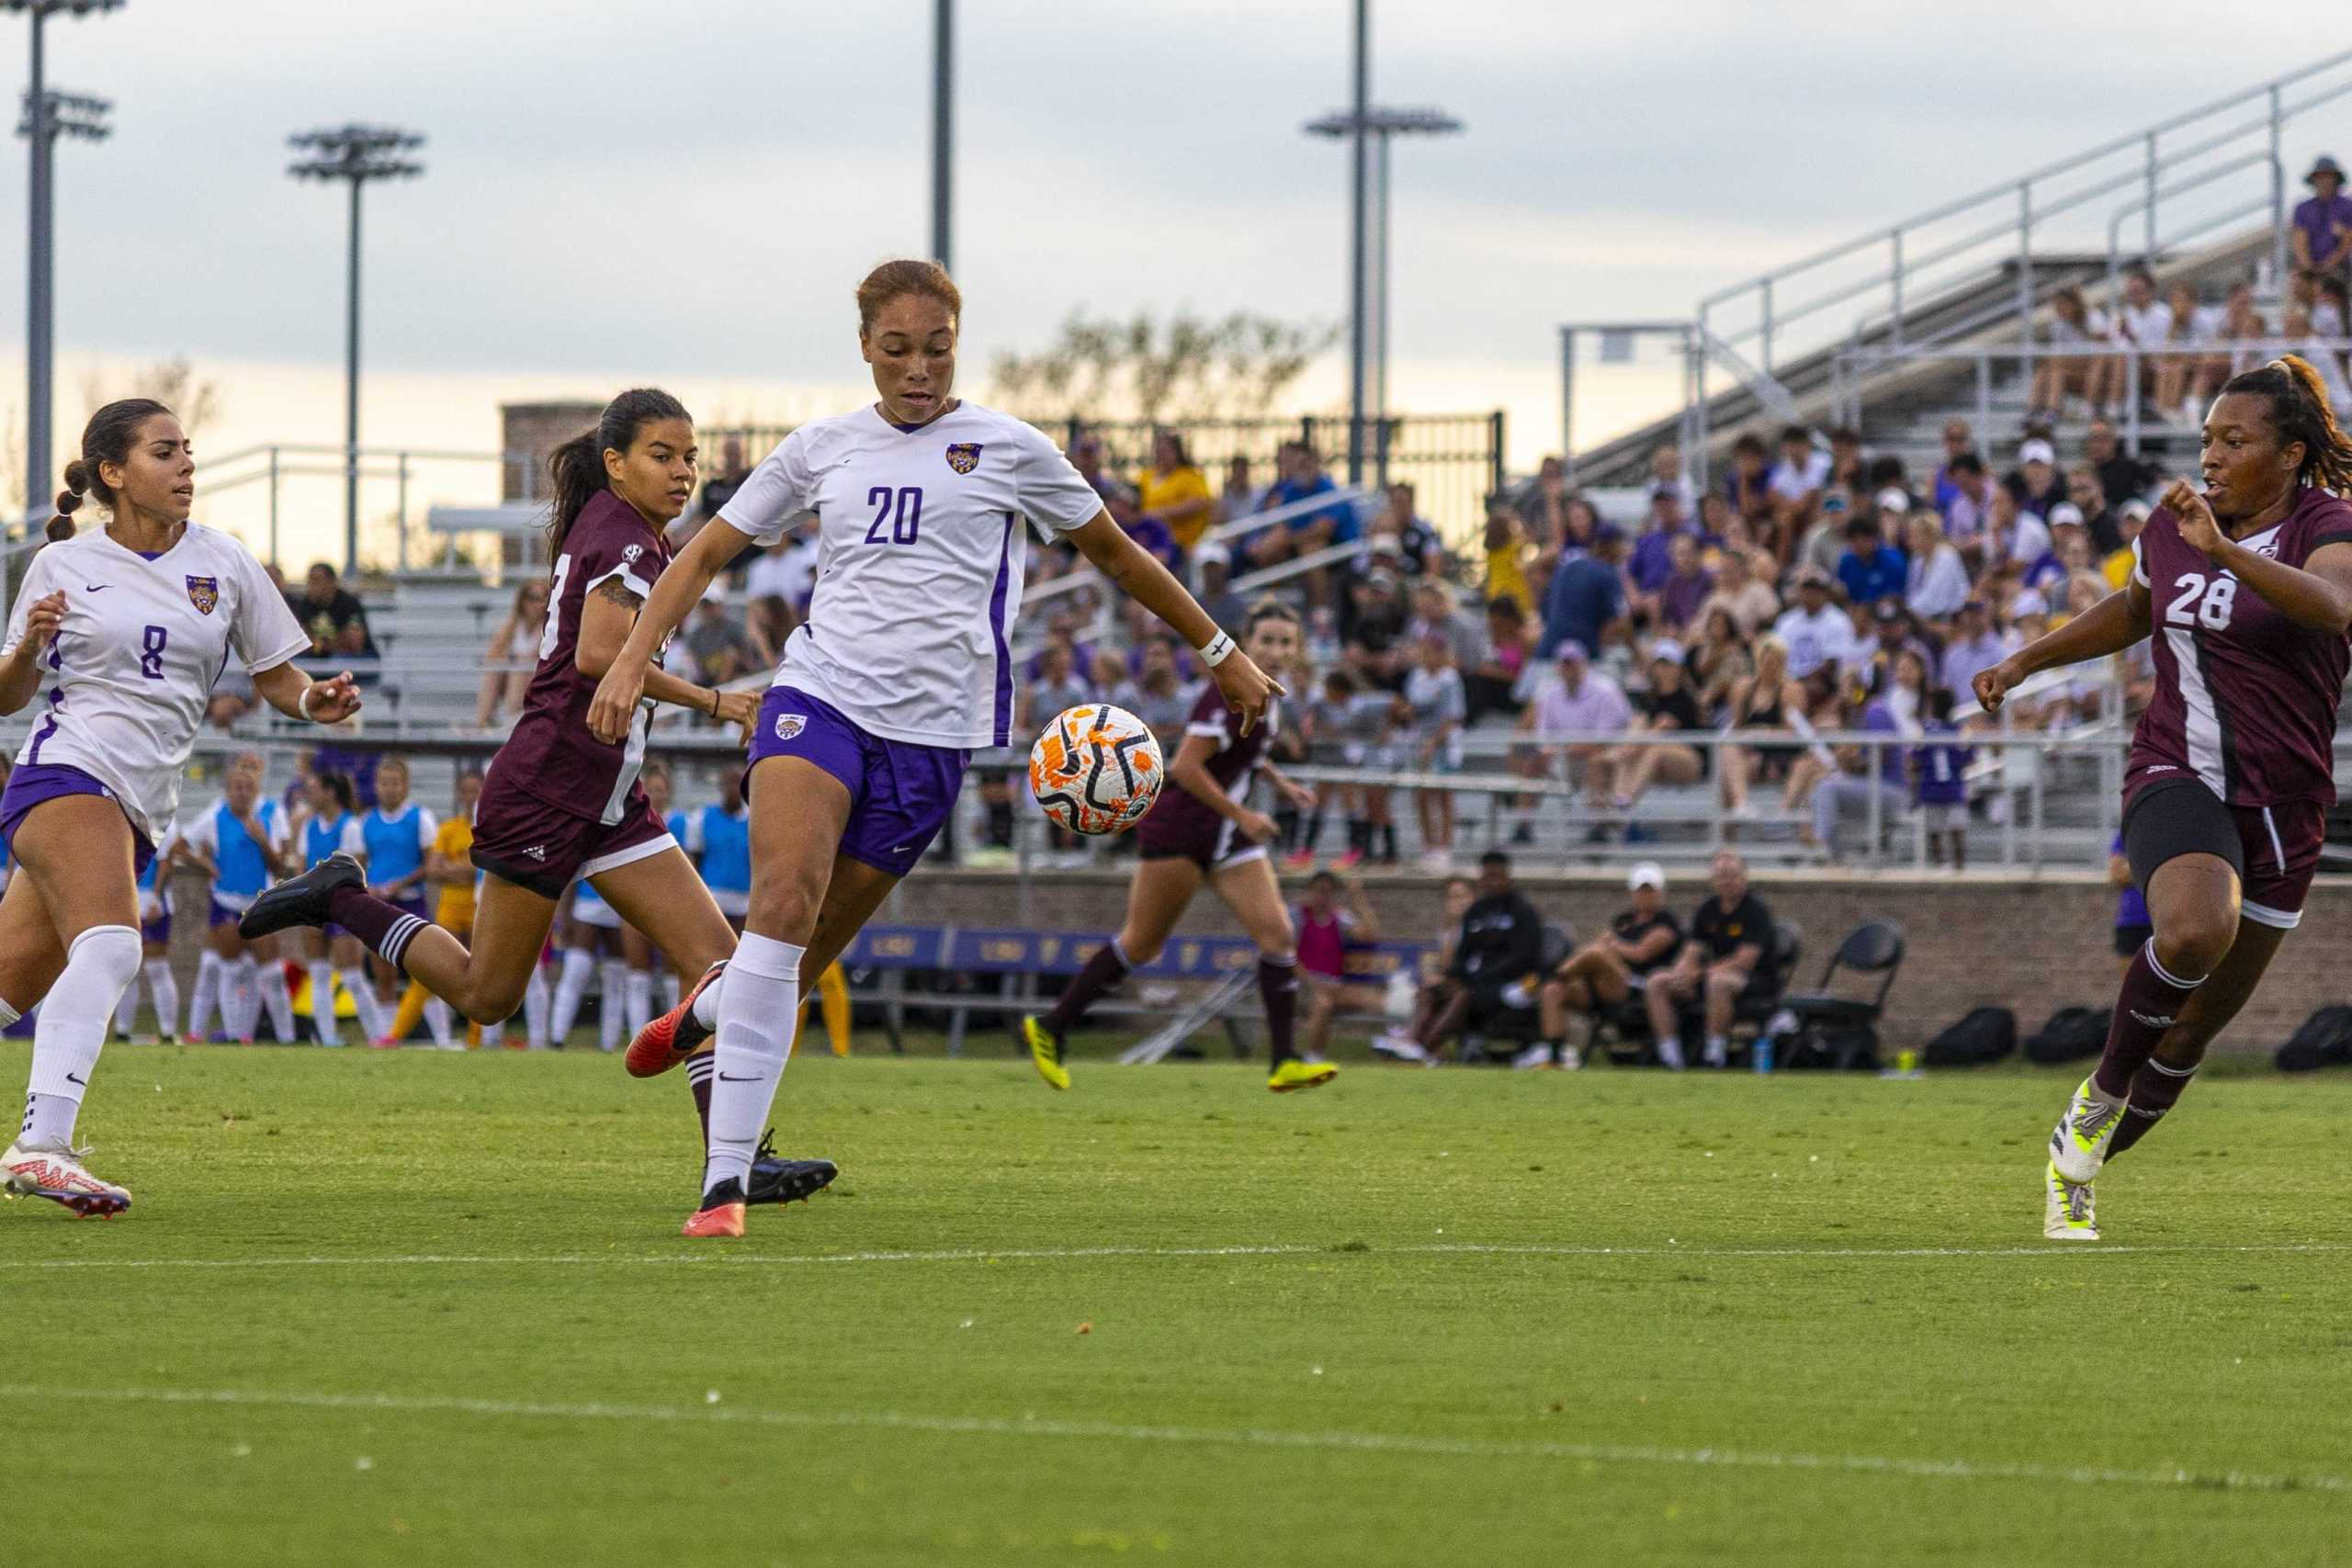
1730 935
1494 966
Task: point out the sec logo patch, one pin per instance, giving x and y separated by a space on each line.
788 725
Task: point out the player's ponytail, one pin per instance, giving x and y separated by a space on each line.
2300 410
108 438
577 468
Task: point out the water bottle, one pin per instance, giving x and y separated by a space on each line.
1760 1054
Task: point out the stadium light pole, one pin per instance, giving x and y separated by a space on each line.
942 134
356 155
1363 125
42 129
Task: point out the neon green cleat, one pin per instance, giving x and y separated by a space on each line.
1045 1050
1297 1075
2068 1213
2079 1145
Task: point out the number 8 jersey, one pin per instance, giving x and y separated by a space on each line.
919 562
125 684
2245 699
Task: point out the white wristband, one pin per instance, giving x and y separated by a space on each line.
302 703
1219 649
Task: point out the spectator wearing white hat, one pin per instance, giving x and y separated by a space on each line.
2036 483
1608 969
2130 518
1817 633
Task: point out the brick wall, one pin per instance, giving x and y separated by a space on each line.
2027 943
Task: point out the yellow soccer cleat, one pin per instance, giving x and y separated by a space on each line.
2068 1210
1045 1050
1296 1074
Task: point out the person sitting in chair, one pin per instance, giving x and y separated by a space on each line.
1492 970
1611 968
1731 934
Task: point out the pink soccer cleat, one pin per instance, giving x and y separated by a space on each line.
57 1173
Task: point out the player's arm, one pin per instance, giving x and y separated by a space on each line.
1140 576
607 615
20 671
295 696
625 662
1290 789
1652 947
2316 596
2109 626
1188 772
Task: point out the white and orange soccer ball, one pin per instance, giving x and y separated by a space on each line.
1096 769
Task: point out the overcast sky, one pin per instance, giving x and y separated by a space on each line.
688 191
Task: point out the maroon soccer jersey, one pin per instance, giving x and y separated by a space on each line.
551 756
1180 823
2245 699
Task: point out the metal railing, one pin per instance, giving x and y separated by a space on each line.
1853 368
1870 285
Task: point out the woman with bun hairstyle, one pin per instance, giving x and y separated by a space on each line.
120 632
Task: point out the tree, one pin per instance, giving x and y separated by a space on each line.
1185 369
171 382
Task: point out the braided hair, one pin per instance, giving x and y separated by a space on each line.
2300 410
108 438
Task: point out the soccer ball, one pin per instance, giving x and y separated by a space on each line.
1096 769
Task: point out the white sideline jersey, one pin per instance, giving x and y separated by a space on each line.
918 567
124 682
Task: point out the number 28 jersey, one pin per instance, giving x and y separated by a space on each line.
918 564
2245 699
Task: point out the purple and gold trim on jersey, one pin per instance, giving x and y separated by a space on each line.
997 630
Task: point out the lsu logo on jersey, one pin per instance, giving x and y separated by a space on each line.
204 593
964 456
788 725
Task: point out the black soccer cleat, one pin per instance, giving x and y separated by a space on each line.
300 900
778 1180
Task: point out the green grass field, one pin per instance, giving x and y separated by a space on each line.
422 1308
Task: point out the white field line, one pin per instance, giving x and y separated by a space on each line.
1056 1254
1244 1436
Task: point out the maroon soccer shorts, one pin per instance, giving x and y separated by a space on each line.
532 844
2274 848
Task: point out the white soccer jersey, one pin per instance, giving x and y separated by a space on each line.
124 682
919 571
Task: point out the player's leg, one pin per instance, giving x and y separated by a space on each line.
351 968
2184 847
577 967
1157 897
274 996
1725 981
163 988
485 982
800 812
660 895
240 976
79 853
1250 890
210 970
2158 1087
317 946
637 955
30 955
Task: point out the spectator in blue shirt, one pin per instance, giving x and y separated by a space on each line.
1869 570
1303 479
1587 596
1653 559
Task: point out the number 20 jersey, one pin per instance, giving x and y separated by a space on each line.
2245 699
919 563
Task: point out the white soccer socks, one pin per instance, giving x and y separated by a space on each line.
756 1008
73 1029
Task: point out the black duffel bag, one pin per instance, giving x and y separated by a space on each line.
1985 1035
2322 1039
2071 1035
